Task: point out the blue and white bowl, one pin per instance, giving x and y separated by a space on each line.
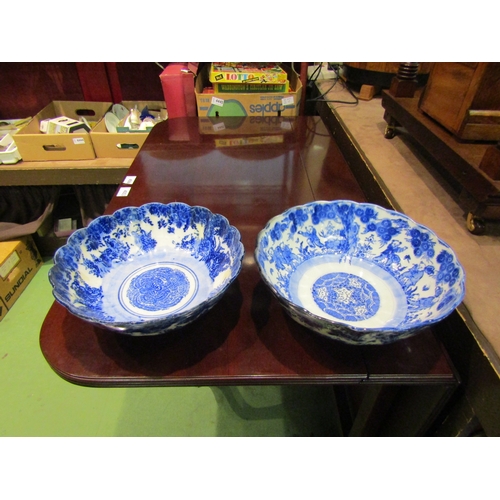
146 270
357 272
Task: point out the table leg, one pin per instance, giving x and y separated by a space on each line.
394 410
390 129
373 410
233 397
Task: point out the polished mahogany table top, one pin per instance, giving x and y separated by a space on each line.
249 170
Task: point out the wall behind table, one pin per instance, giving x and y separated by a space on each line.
28 87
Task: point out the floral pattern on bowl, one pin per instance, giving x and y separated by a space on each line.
146 270
357 272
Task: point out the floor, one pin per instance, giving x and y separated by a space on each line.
34 401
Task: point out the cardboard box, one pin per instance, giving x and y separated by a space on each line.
19 262
12 126
248 104
9 154
33 145
124 144
247 72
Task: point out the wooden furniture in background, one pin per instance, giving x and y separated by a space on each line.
478 194
372 77
380 74
465 99
385 67
405 83
490 164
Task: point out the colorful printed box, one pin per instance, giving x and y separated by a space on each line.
250 73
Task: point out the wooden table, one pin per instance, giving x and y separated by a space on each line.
249 170
64 172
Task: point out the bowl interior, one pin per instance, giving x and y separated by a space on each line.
359 265
146 263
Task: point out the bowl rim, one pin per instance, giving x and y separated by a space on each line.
338 323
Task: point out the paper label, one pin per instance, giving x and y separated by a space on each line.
9 264
286 101
78 140
65 224
219 127
130 179
217 101
123 191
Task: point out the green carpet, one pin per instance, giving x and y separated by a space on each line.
35 401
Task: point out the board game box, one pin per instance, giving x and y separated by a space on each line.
248 73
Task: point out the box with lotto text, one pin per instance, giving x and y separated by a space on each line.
214 104
249 73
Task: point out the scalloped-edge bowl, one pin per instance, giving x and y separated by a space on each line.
357 272
149 269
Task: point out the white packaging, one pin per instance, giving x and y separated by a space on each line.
63 125
8 150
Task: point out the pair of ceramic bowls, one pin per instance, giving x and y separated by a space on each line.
355 272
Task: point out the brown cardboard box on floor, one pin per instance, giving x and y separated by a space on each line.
19 262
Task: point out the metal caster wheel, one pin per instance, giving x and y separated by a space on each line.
475 225
390 132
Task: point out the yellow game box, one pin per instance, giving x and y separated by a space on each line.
248 73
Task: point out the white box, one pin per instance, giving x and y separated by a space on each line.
63 125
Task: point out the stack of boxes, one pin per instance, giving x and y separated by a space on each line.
247 89
76 130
